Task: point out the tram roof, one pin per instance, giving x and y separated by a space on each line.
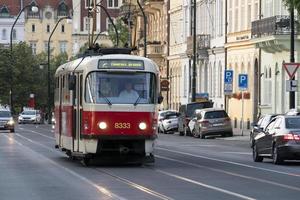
93 61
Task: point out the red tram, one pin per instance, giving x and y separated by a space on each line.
106 107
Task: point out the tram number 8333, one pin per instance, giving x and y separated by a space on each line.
122 125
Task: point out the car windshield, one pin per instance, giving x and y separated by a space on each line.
215 114
28 112
292 123
120 88
164 114
192 107
5 114
172 116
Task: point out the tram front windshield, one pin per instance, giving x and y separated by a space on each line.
120 88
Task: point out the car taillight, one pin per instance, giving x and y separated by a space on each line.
291 136
227 120
204 123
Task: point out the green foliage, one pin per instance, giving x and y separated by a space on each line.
290 3
28 77
123 33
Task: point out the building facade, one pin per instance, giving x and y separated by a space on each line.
83 22
9 10
271 34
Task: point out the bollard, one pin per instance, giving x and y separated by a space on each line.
248 123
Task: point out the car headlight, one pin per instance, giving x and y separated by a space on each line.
11 122
20 117
33 118
142 125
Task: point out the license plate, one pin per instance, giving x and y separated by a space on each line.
218 124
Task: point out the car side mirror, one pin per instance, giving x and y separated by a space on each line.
72 82
160 99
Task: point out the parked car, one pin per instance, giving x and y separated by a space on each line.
161 116
6 120
186 112
293 112
212 121
30 116
260 125
280 140
170 123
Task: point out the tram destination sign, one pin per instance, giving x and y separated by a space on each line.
121 64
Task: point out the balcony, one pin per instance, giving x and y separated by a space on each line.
203 44
276 25
272 34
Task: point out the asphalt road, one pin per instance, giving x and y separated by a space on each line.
186 168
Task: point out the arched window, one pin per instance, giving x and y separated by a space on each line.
62 9
4 12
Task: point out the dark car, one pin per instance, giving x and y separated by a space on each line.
6 120
260 125
280 140
186 112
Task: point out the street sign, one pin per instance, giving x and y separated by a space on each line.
243 81
228 79
291 85
291 69
164 85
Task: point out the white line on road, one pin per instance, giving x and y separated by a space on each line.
101 189
127 182
240 153
229 162
230 173
205 185
52 138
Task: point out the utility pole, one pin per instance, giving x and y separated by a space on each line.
292 51
194 53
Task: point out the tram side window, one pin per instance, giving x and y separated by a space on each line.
118 88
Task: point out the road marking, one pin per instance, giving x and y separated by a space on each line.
241 153
52 138
229 162
230 173
137 186
127 182
205 185
101 189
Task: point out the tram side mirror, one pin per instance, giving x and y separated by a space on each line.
72 82
160 99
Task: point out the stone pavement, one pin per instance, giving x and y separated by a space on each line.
237 135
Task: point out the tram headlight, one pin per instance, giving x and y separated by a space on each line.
102 125
142 125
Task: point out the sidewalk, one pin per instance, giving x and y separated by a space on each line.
237 135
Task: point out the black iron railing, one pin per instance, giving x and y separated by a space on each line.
276 25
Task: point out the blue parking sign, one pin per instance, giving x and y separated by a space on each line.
228 76
243 81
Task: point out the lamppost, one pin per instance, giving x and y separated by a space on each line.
48 70
145 28
34 9
292 50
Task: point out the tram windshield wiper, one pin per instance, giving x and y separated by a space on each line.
106 99
137 101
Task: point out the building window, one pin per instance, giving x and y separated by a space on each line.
112 3
4 12
3 35
33 47
63 46
87 24
14 34
62 28
62 9
48 28
33 28
109 24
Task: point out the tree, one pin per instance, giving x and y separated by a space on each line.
122 30
296 4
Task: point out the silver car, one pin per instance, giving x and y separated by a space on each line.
212 121
161 116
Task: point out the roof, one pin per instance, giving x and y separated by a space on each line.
13 6
51 3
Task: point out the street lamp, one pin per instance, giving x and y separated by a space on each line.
48 70
145 28
34 9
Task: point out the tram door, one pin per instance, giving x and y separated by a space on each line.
77 113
